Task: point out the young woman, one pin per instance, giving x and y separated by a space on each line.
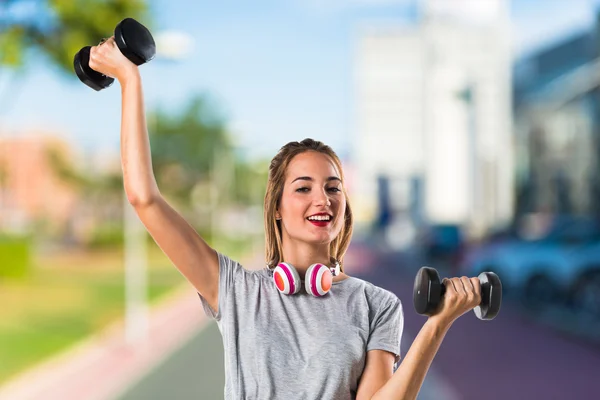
300 328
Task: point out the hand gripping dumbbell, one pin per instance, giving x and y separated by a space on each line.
428 291
135 42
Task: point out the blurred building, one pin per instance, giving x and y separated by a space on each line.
434 129
557 121
31 190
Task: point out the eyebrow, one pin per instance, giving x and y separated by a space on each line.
308 178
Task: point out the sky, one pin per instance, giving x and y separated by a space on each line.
277 70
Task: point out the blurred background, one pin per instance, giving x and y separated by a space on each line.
469 131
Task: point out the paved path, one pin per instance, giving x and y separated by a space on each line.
511 357
196 370
193 372
103 366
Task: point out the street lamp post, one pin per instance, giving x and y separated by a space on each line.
468 97
136 311
173 46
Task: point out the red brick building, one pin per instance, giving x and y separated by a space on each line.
31 189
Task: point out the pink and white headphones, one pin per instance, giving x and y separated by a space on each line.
318 279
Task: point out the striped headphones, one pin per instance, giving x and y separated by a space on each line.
318 279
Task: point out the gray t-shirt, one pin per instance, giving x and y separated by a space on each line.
298 346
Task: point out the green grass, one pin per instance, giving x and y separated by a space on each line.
71 296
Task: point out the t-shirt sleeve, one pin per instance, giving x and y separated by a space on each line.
228 270
386 327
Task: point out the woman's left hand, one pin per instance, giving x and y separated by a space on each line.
462 295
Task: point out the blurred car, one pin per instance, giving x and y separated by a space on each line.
584 290
562 266
443 243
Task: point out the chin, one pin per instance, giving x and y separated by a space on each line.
324 239
317 239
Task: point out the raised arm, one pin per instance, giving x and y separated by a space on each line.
192 256
462 294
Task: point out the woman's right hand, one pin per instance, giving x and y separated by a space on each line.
462 295
107 59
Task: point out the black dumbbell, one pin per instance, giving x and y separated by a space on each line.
135 42
428 291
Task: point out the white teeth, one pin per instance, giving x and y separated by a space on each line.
320 218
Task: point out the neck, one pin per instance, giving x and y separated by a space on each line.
302 257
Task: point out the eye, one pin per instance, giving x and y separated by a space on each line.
306 189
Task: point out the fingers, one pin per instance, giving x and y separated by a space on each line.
96 58
477 287
449 286
466 287
461 295
107 40
463 290
451 297
469 292
471 288
101 55
93 62
103 46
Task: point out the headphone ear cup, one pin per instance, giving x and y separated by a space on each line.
318 280
286 278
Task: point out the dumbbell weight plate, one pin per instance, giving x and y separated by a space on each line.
94 79
427 291
491 296
135 41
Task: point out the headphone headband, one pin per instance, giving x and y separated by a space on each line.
335 270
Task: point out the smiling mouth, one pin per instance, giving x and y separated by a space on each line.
320 222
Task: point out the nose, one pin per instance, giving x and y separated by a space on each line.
322 199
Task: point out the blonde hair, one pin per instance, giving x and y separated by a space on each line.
274 191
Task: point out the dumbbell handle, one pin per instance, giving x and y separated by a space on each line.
428 291
485 290
491 296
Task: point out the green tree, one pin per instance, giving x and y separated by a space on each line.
251 181
197 165
60 28
185 146
101 193
57 30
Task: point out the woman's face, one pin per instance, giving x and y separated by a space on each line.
312 204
